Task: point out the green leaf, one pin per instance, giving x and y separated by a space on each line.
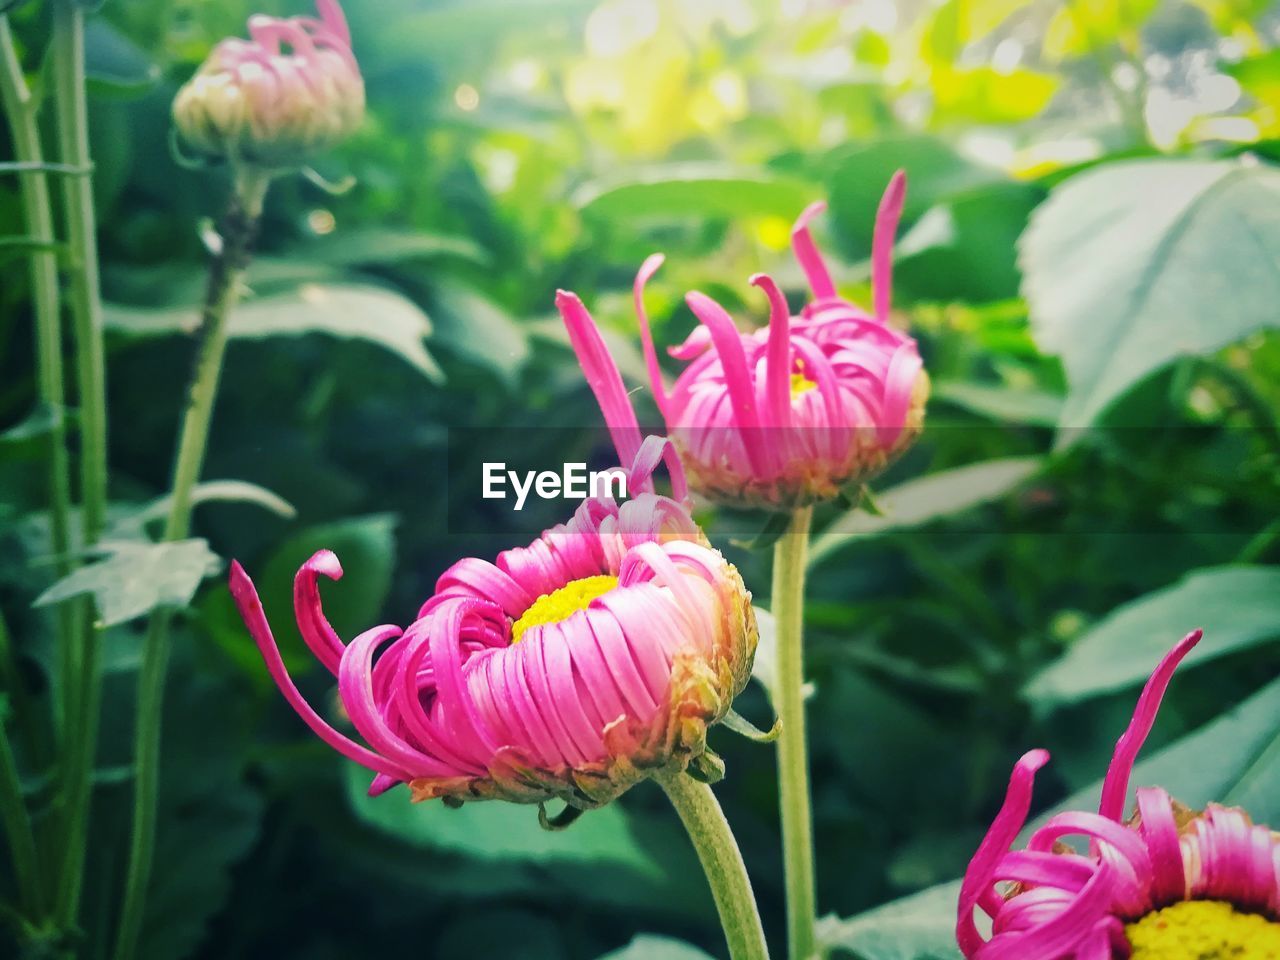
740 725
226 491
384 245
1132 265
694 190
13 247
1237 606
136 578
35 428
500 831
114 64
1234 759
477 328
647 946
918 927
1005 404
369 313
927 498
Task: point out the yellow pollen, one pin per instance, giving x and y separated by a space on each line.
1204 930
800 384
558 605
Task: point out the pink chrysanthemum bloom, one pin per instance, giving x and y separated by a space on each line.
790 414
276 99
1169 884
569 668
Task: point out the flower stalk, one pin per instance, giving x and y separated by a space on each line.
19 108
82 689
226 274
789 560
721 860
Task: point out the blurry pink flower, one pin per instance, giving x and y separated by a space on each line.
790 414
1170 884
569 668
276 99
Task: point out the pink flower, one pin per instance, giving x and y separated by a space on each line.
569 668
790 414
272 101
1170 884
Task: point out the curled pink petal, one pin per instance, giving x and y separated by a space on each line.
316 631
250 607
602 375
778 365
806 252
656 380
887 217
1003 830
1115 786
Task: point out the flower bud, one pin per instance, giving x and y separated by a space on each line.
793 413
292 90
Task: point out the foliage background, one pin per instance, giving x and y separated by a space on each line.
1023 574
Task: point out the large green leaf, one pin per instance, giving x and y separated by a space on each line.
501 831
918 927
927 498
136 578
369 313
695 190
1131 265
1237 606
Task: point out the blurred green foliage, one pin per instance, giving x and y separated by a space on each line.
514 147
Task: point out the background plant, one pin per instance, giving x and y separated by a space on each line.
1011 584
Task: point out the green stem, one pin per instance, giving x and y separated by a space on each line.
226 273
789 558
722 863
16 818
82 240
82 687
19 108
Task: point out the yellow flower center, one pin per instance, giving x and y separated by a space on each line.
1204 930
559 604
800 384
